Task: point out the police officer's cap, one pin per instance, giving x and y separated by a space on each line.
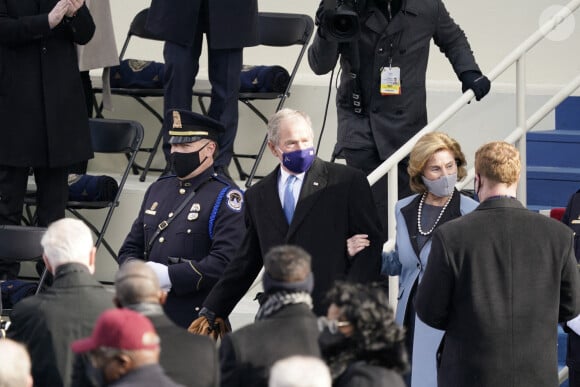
186 126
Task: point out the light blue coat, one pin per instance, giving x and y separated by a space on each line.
410 266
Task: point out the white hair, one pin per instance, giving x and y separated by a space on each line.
67 240
14 364
300 371
283 115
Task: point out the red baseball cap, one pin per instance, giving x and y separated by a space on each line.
120 329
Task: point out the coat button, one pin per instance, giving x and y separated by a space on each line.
43 50
197 308
188 231
161 240
170 214
182 191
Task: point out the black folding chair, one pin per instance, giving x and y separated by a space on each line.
20 244
137 29
276 30
108 136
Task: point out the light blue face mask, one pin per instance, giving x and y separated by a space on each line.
441 187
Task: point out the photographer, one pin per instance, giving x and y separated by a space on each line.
381 100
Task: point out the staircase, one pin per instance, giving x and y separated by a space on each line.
553 158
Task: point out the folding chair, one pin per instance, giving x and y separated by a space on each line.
108 136
276 30
20 244
137 28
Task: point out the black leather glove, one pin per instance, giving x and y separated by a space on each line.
475 81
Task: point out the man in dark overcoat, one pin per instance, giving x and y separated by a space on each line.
230 25
189 225
285 325
329 203
44 119
386 65
498 282
49 322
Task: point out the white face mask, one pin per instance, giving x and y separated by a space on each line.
441 187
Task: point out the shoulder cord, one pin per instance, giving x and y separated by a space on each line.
163 225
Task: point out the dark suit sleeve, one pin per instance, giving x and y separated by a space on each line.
433 299
451 40
363 219
81 26
240 272
569 287
228 366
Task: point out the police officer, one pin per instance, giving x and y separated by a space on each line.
191 224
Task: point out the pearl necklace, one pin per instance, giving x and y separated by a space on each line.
436 221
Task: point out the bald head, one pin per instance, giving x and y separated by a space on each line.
136 283
14 365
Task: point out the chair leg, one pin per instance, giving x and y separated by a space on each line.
42 279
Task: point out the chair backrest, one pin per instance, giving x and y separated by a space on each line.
137 28
284 29
115 136
20 243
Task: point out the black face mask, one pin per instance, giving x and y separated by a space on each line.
332 343
186 163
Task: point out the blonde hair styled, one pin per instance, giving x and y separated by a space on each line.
424 149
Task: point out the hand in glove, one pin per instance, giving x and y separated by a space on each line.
475 81
162 273
208 324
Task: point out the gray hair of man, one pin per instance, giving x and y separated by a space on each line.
15 365
300 371
136 283
283 115
68 241
287 263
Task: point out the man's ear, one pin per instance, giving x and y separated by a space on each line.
92 257
162 297
125 363
273 149
48 266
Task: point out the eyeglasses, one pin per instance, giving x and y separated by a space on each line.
332 325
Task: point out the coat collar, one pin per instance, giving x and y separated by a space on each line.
73 274
500 202
315 180
409 213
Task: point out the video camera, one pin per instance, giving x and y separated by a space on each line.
341 23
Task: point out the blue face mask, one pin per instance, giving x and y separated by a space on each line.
298 161
441 187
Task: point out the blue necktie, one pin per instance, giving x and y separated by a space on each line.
289 202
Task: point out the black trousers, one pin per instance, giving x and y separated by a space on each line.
224 67
51 198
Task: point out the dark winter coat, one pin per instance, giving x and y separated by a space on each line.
42 107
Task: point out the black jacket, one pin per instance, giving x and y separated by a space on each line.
247 354
335 203
42 108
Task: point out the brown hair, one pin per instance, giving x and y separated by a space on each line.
424 149
499 162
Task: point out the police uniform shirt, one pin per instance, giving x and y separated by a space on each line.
201 240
